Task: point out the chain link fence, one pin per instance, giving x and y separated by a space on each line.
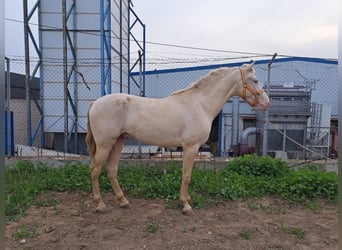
303 109
303 113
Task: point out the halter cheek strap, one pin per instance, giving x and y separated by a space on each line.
247 87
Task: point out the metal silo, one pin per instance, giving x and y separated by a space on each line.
84 53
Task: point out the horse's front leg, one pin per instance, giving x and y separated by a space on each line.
189 154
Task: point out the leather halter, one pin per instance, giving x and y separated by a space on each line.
247 87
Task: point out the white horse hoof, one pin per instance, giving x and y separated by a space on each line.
101 208
188 211
124 203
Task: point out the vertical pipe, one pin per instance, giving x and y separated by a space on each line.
109 27
128 47
8 80
140 73
266 123
65 74
102 41
75 76
121 68
224 139
340 137
27 75
284 136
235 120
2 108
328 142
41 82
219 139
140 91
144 66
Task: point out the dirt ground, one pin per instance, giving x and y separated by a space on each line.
265 223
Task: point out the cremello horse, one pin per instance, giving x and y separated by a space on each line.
182 119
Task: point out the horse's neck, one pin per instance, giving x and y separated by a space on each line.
215 94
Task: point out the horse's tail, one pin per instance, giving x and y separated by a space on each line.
91 145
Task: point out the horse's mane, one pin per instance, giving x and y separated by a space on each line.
204 80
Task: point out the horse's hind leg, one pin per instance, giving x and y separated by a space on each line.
99 159
112 169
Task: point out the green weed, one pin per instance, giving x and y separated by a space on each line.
266 167
273 209
295 231
118 224
154 227
45 200
24 233
298 232
252 206
246 234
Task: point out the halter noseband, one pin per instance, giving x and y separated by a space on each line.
253 91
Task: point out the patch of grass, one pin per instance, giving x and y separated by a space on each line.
45 200
297 232
252 206
24 233
312 167
303 185
273 209
117 223
154 228
266 167
244 177
25 181
246 234
313 205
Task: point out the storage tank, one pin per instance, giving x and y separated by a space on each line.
85 54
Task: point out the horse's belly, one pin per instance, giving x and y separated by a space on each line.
158 140
167 136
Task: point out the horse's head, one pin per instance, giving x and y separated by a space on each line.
251 91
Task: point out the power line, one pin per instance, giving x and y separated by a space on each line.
91 33
207 49
151 42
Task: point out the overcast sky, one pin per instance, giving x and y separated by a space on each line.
291 27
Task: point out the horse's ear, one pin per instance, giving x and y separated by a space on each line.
250 66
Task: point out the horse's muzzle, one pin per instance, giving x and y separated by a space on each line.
263 106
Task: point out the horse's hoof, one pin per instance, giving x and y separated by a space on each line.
188 211
124 203
101 208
